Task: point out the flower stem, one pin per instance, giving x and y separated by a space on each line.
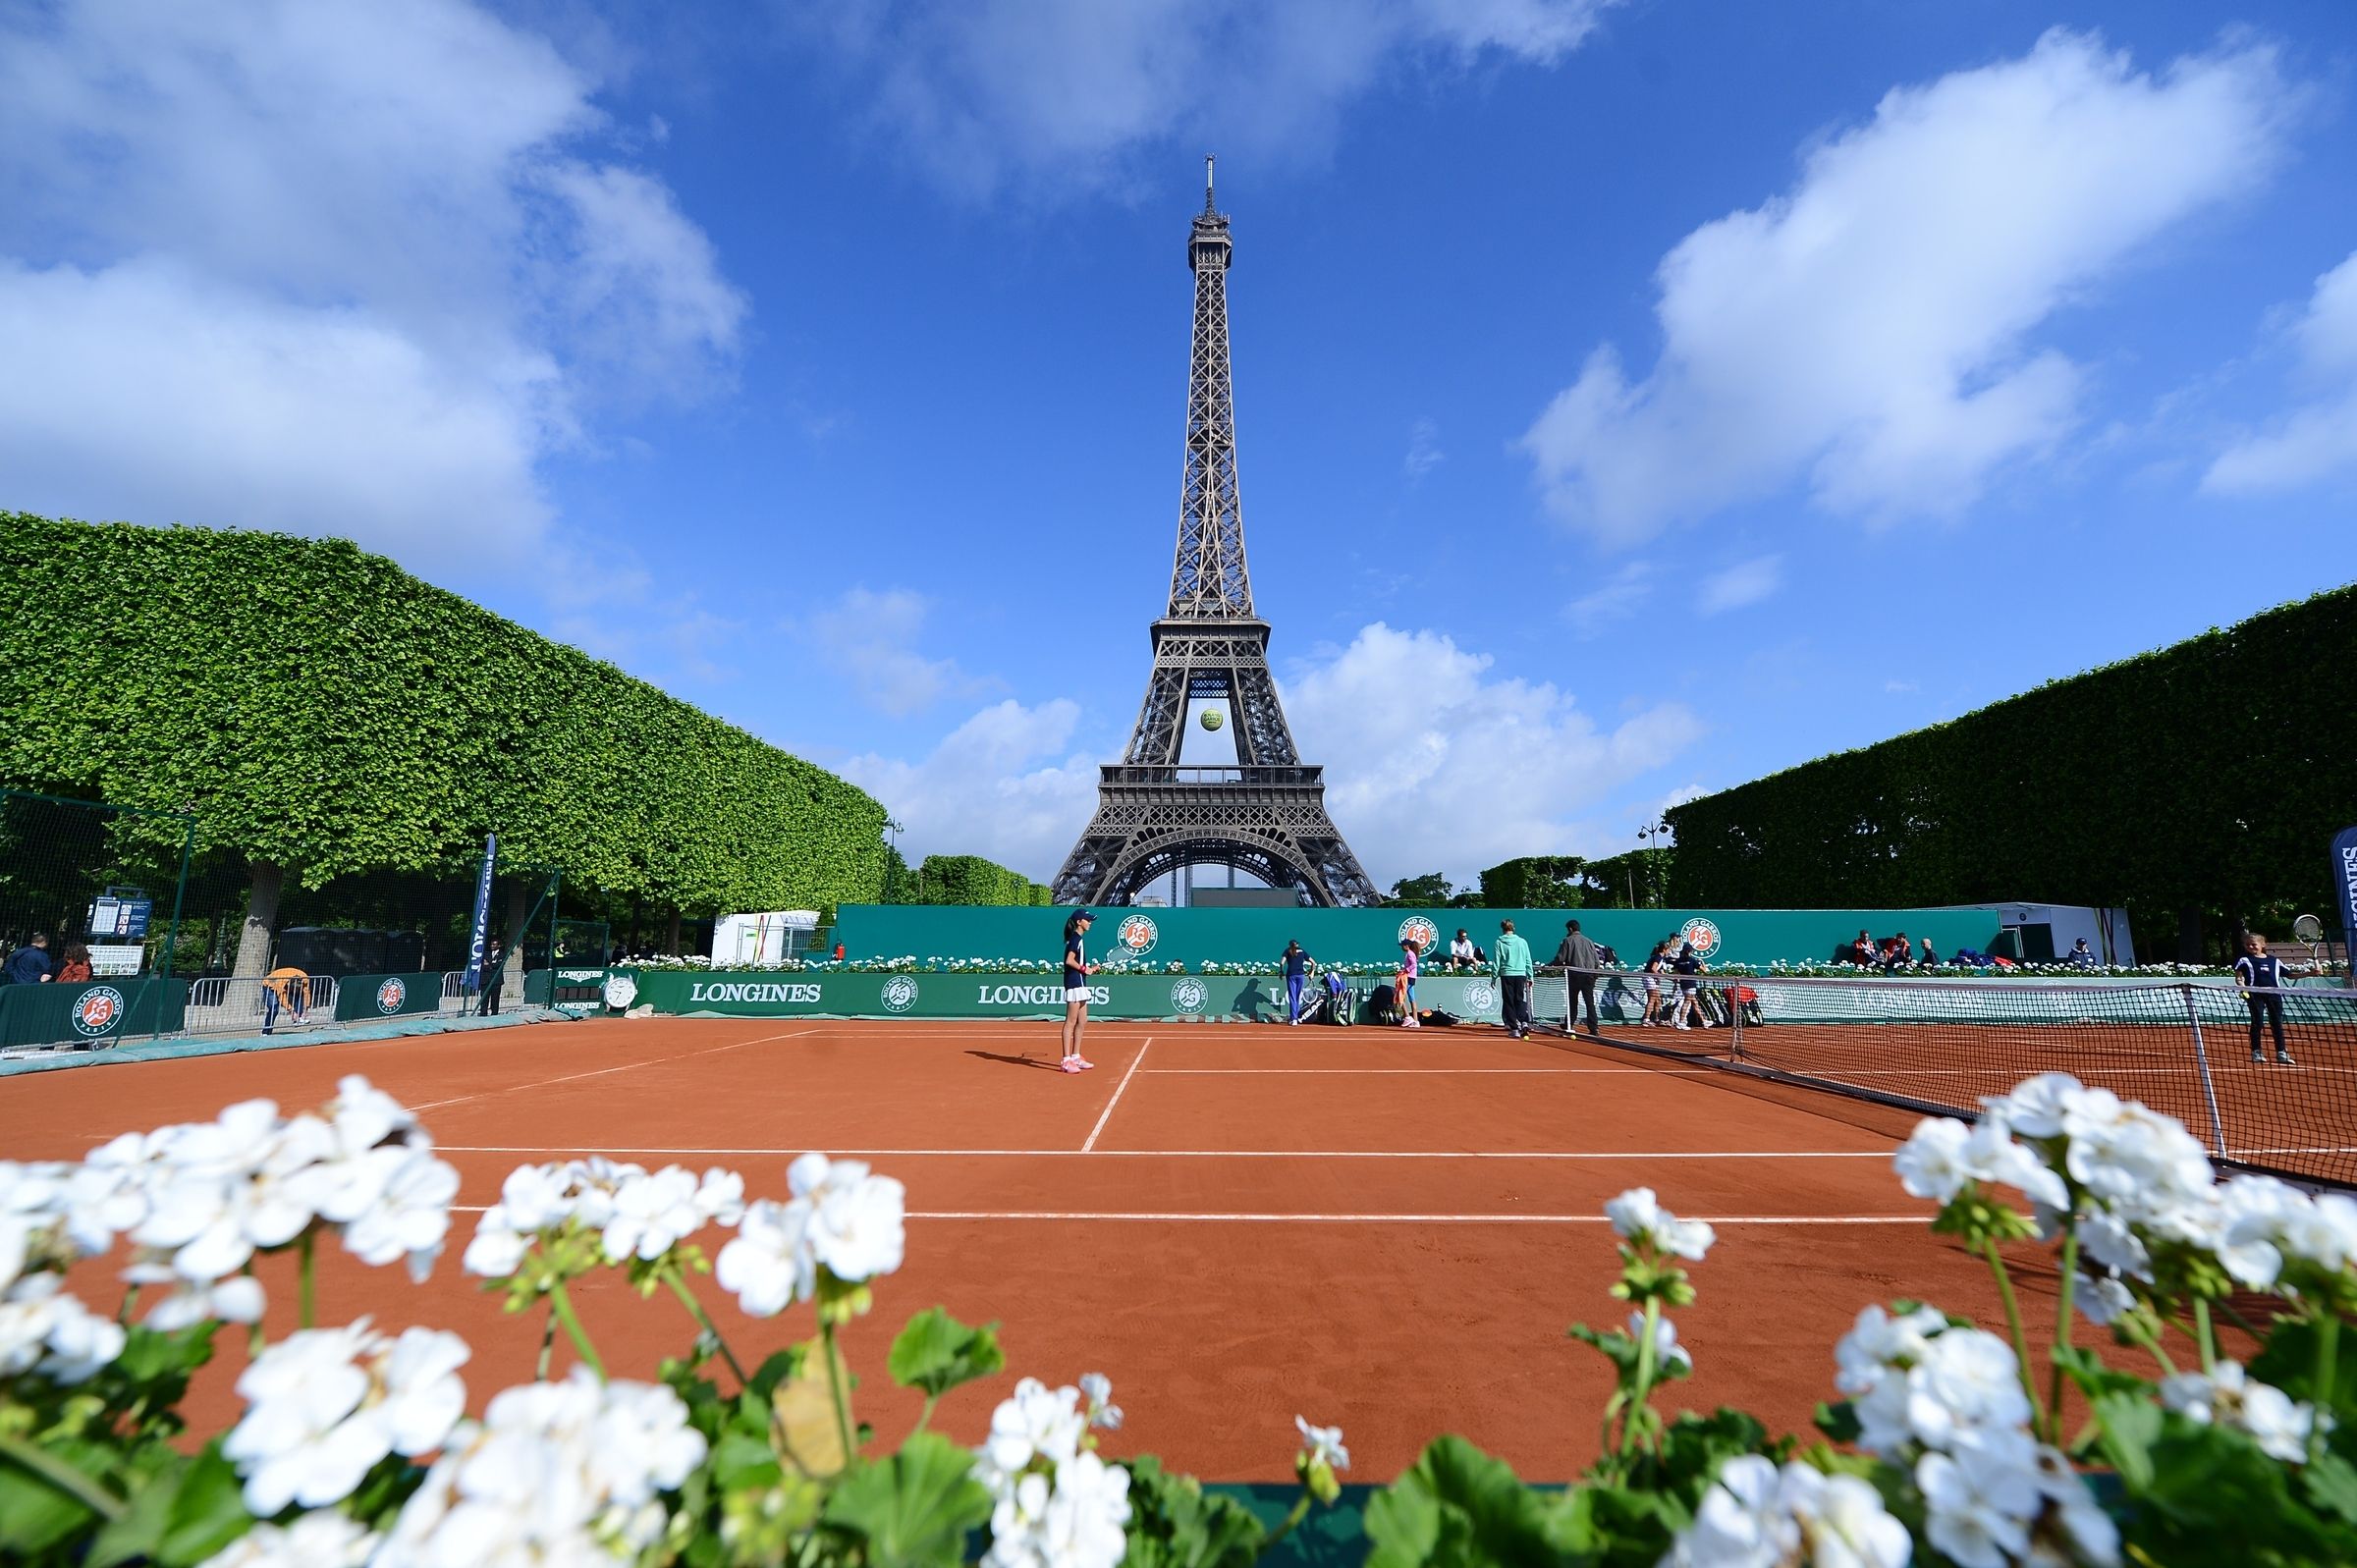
696 1310
2206 1337
1300 1511
63 1476
924 1417
2328 1365
548 1344
2021 1342
562 1303
1631 1418
2062 1315
306 1292
837 1375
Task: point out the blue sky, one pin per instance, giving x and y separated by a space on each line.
1633 398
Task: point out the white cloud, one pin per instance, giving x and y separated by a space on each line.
1432 763
871 638
1002 785
1065 93
1614 600
1424 451
2319 440
355 270
1746 582
1870 330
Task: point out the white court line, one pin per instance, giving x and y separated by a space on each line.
1411 1219
1189 1153
632 1066
1107 1115
1379 1072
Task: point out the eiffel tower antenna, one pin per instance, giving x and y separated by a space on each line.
1266 816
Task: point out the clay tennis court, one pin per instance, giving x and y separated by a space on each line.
1384 1229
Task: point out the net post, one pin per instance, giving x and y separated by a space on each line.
1734 1021
2201 1061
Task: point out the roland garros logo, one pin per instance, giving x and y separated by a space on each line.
1480 996
391 995
1189 995
1420 931
1137 936
1703 933
97 1010
900 993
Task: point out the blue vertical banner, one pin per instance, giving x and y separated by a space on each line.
483 915
2344 893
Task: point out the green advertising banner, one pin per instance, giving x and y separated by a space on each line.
1196 936
755 994
387 996
91 1013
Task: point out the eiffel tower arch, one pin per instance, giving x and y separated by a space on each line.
1266 814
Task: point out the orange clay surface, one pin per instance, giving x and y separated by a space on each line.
1385 1229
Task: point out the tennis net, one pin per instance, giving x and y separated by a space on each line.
2204 1053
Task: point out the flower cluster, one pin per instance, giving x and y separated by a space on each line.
1052 1500
199 1200
570 1472
2229 1396
1948 1402
842 1218
1757 1516
635 1213
1639 1217
325 1406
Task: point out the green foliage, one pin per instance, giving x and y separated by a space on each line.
1173 1523
323 711
1535 881
2205 776
913 1508
1646 875
972 880
1428 892
1458 1507
937 1353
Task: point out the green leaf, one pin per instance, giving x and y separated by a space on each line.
2289 1360
937 1353
914 1508
1458 1507
2130 1423
34 1514
2330 1483
1840 1421
207 1512
1173 1523
740 1461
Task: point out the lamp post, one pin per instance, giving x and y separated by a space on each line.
893 853
1649 837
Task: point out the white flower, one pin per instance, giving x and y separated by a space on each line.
1846 1524
1980 1505
855 1227
1742 1523
652 1214
325 1405
1637 1215
497 1250
1323 1445
2277 1423
1943 1155
1035 1421
1073 1520
1878 1340
768 1266
1097 1390
2037 1106
2101 1300
323 1538
2090 1532
1965 1380
1667 1351
409 1216
720 1197
534 1198
234 1300
640 1443
1931 1163
44 1328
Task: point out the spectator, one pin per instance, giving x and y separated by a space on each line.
285 986
1862 952
1296 975
1897 951
2260 974
1579 960
1462 954
1929 957
2082 956
494 976
76 967
1513 969
29 965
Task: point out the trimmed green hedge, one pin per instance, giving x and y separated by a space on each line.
323 711
2206 777
1534 882
972 880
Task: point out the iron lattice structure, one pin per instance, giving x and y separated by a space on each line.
1267 815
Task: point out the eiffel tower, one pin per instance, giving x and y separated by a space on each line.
1266 816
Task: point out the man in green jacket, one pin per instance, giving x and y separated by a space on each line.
1512 966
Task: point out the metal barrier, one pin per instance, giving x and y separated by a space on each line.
227 1005
456 998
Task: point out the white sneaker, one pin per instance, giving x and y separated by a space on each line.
1679 1027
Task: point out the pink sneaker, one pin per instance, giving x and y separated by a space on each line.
1083 1063
1072 1065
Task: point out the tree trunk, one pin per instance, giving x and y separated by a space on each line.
2189 935
261 913
671 943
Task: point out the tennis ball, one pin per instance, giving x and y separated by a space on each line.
1211 718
